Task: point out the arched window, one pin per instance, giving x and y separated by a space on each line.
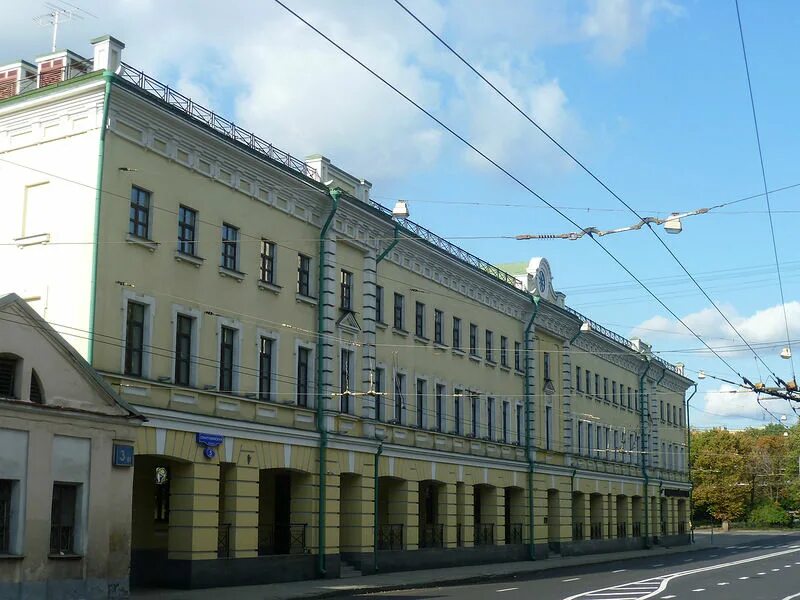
9 375
36 391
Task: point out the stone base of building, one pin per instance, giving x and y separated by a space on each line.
435 558
55 589
154 569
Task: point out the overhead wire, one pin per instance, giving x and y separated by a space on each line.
497 166
764 180
585 169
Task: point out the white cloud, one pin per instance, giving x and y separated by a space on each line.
615 26
728 401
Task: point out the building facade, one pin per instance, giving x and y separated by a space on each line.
324 384
66 476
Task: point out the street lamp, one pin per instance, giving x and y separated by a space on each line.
400 210
786 353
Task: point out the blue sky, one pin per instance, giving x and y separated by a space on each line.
650 94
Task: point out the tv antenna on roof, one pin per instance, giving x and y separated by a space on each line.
60 13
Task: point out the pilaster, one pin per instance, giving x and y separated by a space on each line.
369 277
193 514
239 509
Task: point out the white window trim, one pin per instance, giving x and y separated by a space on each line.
196 316
381 399
445 412
491 409
404 392
237 352
147 336
312 387
354 384
273 384
426 409
463 399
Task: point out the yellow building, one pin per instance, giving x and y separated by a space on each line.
328 388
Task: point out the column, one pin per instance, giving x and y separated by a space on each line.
566 399
466 513
611 516
448 513
629 512
239 509
587 516
404 509
193 514
356 513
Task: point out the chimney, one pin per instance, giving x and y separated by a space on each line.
107 53
60 66
16 78
680 368
641 346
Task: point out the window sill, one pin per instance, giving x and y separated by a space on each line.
490 363
141 242
65 556
305 299
269 287
12 556
439 346
421 339
381 325
519 372
401 332
475 357
505 368
458 351
189 258
237 275
32 240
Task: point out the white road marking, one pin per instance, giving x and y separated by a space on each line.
571 579
658 565
619 571
775 570
743 578
699 590
792 596
723 583
762 573
670 596
507 590
787 566
649 588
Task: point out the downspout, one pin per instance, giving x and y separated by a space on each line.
375 508
393 243
323 433
528 412
689 463
101 155
642 445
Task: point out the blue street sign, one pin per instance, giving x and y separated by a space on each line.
122 455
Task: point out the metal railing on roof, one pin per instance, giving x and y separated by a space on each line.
421 232
229 129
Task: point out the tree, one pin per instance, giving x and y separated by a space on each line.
720 475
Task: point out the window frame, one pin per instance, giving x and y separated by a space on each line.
399 312
267 260
183 356
132 337
230 255
304 275
139 212
456 333
346 290
304 383
346 367
60 489
489 349
504 351
270 361
473 340
379 304
187 231
419 319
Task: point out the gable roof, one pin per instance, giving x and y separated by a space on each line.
43 328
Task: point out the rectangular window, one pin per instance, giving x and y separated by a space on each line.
419 320
605 389
578 381
456 333
505 422
183 350
139 225
187 231
631 447
517 356
473 339
475 415
546 372
5 516
630 399
421 403
636 400
458 417
680 416
399 400
589 439
62 518
346 282
661 409
599 439
134 338
503 351
669 414
616 443
399 311
548 427
439 407
303 275
230 247
227 342
489 346
438 326
265 361
8 377
588 380
303 364
379 388
490 417
379 304
345 382
614 392
519 424
674 414
266 268
597 385
580 436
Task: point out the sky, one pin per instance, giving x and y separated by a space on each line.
651 95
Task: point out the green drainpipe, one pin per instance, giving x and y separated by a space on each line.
642 445
689 463
101 155
323 434
375 508
528 411
393 243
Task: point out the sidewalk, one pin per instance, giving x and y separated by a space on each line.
326 588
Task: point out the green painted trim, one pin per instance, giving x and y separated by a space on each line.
528 446
388 248
642 445
101 155
323 433
52 87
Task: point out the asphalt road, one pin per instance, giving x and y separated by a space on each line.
763 566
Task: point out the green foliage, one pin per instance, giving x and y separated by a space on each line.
769 514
